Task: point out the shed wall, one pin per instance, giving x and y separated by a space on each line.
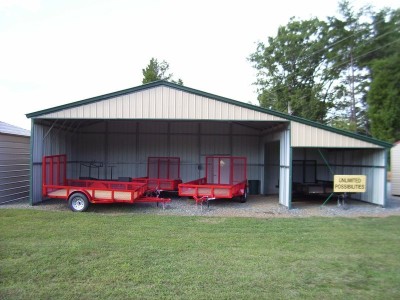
369 162
285 164
303 135
395 163
14 167
48 141
272 167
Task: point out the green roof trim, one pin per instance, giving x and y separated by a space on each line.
212 96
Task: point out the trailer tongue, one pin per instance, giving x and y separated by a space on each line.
80 193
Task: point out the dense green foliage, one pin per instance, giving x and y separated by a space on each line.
158 71
293 71
332 71
64 255
384 98
383 60
347 34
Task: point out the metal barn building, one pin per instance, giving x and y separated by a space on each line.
395 163
14 163
123 128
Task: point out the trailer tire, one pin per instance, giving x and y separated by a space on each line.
78 202
243 198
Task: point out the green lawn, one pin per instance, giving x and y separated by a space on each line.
65 255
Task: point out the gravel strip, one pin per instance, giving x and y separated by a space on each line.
258 206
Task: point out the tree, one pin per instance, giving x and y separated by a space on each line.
363 43
337 71
294 72
347 33
385 34
158 71
384 99
383 60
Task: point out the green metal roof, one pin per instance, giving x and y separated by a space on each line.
288 117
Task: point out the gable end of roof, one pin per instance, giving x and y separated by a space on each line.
211 96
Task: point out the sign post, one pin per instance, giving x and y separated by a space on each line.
348 184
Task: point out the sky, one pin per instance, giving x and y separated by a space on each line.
54 52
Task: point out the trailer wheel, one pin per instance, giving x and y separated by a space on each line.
243 198
78 202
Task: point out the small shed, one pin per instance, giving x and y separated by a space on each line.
395 163
14 163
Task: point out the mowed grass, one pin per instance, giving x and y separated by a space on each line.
65 255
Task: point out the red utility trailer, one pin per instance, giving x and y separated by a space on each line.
225 178
80 193
163 174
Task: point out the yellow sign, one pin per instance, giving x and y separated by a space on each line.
349 183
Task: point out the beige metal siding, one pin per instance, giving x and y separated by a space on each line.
308 136
14 168
161 103
395 163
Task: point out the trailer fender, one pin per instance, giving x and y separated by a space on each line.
88 196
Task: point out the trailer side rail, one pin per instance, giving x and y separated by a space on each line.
159 184
199 188
56 185
97 191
